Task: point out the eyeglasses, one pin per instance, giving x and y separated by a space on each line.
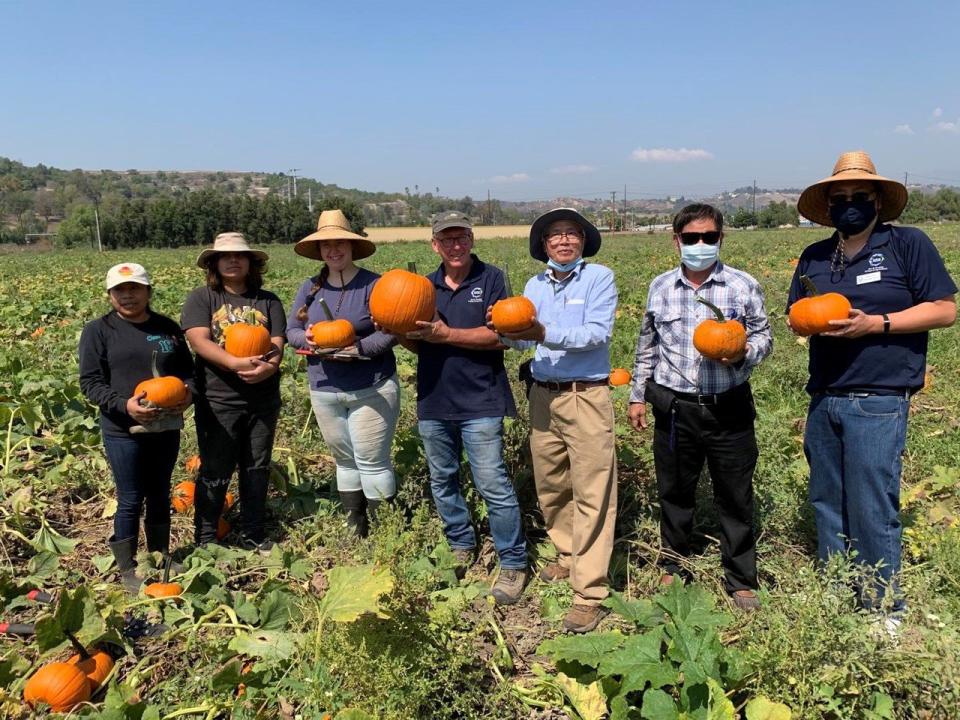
711 237
861 196
559 235
449 242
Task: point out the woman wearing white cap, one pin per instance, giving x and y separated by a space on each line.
355 395
238 398
128 345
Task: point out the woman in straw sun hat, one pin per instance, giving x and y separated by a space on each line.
238 400
863 372
355 394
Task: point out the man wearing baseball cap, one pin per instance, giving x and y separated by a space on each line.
571 415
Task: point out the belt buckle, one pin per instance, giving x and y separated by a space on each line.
553 385
702 399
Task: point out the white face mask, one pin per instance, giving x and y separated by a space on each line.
700 256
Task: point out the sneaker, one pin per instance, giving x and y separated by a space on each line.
886 627
509 586
583 618
554 572
465 558
262 548
745 600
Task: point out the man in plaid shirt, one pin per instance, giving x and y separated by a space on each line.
703 409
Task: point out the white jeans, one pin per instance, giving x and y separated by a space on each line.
358 427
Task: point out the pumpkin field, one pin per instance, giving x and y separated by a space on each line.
329 626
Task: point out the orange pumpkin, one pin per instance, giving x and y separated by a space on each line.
163 590
162 391
812 315
400 298
96 666
228 501
246 340
332 333
619 376
60 685
192 465
719 338
513 314
223 528
182 496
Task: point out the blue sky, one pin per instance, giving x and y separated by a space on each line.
530 100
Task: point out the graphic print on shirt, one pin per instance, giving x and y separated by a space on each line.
165 343
227 315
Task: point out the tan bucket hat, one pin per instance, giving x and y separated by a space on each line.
333 225
229 242
855 165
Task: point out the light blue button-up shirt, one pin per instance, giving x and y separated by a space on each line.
577 313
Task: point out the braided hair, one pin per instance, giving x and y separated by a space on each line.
318 281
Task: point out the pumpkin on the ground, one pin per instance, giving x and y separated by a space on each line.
60 685
719 338
165 588
400 298
619 376
96 666
182 496
192 464
812 315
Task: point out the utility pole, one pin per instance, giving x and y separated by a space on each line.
624 226
905 175
96 216
310 199
293 172
754 197
613 208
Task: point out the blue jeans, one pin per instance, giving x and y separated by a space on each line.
142 466
854 444
482 439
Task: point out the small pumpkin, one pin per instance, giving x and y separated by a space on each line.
400 298
812 315
182 496
223 528
332 333
165 588
192 464
165 391
244 339
719 338
96 666
619 376
228 501
60 685
514 313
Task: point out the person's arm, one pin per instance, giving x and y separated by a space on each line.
643 366
924 316
437 331
95 371
376 343
759 333
297 328
597 328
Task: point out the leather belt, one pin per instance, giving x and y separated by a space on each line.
866 392
712 399
566 386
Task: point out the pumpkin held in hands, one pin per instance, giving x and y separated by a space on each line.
60 685
812 315
619 376
165 391
96 666
513 314
332 333
246 340
399 299
719 338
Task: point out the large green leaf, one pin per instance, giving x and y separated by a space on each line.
48 539
587 700
267 644
276 610
639 661
762 708
354 592
719 707
691 605
587 649
658 705
642 612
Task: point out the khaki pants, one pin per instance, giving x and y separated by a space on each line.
575 468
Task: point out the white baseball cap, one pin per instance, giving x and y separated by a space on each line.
127 272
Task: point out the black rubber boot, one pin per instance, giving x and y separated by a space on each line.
253 484
208 499
125 553
355 505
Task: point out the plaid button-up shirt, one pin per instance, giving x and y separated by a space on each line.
665 352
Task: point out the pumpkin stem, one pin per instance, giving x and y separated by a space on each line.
153 364
325 308
809 286
716 310
81 650
506 280
412 267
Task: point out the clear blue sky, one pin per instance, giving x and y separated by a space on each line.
529 99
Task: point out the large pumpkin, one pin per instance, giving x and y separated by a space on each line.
332 333
246 340
812 315
60 685
719 338
162 391
96 666
182 496
513 314
399 299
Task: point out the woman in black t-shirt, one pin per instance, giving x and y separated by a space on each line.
238 398
130 344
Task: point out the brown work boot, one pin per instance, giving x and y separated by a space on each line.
465 557
509 586
583 618
745 600
553 572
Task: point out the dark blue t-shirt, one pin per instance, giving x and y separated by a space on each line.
898 268
455 383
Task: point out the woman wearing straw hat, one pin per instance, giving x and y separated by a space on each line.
238 400
863 373
355 394
118 351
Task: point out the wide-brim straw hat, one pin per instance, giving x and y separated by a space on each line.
855 165
591 240
333 225
229 242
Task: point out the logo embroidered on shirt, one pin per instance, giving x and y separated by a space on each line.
875 259
476 295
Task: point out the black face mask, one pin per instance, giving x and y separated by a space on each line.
851 218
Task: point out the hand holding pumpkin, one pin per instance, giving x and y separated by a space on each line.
140 413
435 331
260 371
181 407
857 325
536 332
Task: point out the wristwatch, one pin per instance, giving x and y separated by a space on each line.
886 324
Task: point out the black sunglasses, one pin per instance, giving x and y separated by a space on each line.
857 197
711 237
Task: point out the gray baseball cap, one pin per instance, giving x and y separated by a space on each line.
450 219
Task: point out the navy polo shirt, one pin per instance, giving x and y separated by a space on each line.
455 383
898 268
